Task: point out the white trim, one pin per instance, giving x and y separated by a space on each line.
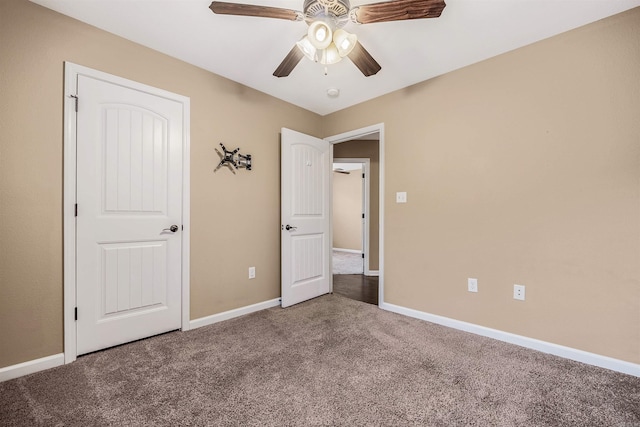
226 315
31 367
372 273
69 220
330 255
355 134
71 72
351 251
366 201
522 341
186 213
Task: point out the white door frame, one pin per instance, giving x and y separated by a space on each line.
366 168
355 134
71 72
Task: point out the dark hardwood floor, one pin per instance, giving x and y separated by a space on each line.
357 286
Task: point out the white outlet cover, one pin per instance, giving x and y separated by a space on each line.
401 197
518 292
472 285
252 272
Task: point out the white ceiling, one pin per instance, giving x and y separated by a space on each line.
248 49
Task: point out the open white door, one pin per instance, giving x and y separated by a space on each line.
305 199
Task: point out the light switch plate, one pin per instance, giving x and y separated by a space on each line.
472 285
401 197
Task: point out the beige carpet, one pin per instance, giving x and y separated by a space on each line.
327 362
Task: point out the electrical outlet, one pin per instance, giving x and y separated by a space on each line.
252 272
401 197
472 285
518 292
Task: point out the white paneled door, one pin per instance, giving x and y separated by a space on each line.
305 198
129 220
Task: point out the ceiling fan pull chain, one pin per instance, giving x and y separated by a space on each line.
324 61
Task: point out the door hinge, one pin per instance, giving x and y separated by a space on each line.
362 255
76 212
362 176
362 216
75 313
75 98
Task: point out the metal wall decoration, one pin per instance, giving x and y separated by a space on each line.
228 158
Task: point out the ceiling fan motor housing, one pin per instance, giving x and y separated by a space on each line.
334 12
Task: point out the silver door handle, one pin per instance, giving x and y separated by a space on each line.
290 227
172 229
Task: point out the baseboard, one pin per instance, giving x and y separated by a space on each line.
226 315
31 367
372 273
37 365
351 251
522 341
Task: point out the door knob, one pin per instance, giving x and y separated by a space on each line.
290 227
172 229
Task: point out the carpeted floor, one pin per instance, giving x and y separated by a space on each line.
330 361
347 263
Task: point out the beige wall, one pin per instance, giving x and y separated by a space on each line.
521 169
367 149
347 210
234 218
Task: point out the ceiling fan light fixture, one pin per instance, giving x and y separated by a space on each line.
320 34
330 55
308 49
344 41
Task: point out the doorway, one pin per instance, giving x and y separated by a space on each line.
126 205
360 146
350 215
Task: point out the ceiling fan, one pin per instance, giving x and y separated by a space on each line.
326 42
340 170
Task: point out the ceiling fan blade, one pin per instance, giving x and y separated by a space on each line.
397 10
364 61
225 8
289 62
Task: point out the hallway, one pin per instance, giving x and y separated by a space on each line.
357 286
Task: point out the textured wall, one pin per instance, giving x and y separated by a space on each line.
521 169
235 218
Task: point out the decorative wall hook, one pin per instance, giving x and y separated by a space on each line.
228 158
